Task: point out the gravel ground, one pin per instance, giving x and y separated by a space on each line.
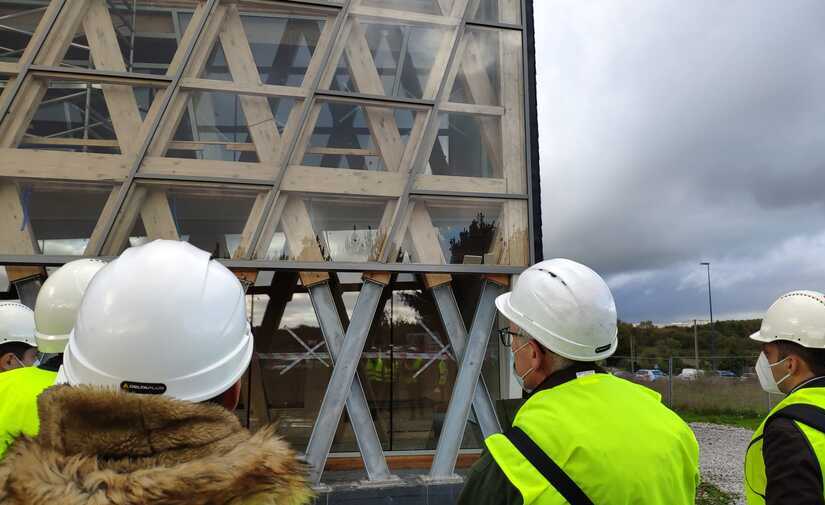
721 456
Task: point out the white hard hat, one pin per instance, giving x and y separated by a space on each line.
163 318
58 300
798 316
566 307
16 324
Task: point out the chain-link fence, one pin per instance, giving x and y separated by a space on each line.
718 384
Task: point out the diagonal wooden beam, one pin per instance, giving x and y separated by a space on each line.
259 118
381 121
31 94
16 234
197 62
105 52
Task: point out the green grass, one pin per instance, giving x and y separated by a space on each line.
749 420
708 494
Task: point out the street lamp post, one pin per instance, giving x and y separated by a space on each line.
696 344
710 307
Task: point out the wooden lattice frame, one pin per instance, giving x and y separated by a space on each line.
223 23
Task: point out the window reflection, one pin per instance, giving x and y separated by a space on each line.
407 368
62 216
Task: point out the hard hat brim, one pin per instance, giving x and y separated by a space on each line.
51 344
503 306
757 336
15 340
203 385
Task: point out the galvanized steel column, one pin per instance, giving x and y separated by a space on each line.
457 333
343 374
357 407
452 433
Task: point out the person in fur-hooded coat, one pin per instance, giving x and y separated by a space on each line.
107 447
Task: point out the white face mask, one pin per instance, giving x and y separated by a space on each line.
520 377
763 371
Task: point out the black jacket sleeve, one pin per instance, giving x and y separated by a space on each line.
486 484
792 469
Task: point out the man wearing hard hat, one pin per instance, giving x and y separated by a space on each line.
784 461
152 371
49 327
18 348
582 436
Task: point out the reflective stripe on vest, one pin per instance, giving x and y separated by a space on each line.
19 389
756 480
612 438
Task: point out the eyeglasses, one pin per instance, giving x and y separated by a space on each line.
506 336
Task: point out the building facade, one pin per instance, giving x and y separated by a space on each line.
366 165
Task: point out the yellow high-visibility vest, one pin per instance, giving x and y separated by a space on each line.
756 480
19 389
614 439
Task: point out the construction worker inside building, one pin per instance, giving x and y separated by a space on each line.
48 327
583 436
166 325
18 348
784 460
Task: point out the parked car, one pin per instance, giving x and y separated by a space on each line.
650 375
624 374
691 374
726 374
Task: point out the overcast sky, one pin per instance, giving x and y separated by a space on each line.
675 132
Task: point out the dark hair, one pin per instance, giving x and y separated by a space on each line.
17 348
814 358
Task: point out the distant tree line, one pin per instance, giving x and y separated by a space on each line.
653 345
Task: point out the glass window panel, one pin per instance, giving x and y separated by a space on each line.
18 20
497 11
406 369
358 137
420 6
467 145
282 45
209 216
401 55
295 379
491 63
340 229
74 116
146 36
214 126
468 231
481 129
62 215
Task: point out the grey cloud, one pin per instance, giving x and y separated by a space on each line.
673 132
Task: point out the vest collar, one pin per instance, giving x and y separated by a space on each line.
816 382
559 377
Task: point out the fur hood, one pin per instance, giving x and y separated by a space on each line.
101 447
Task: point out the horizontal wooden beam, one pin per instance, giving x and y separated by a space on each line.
463 184
246 89
68 141
188 145
470 108
207 168
343 181
402 16
7 68
42 164
101 77
407 462
45 164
